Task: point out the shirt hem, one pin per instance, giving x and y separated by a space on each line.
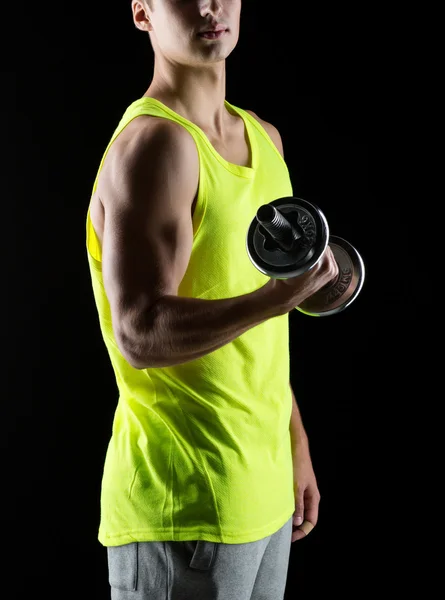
191 534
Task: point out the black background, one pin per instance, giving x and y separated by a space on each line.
332 83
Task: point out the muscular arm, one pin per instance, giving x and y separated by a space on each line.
147 243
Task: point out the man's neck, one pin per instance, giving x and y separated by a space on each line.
198 99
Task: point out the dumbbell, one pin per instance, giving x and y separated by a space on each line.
288 237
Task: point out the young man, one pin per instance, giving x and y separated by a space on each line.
208 465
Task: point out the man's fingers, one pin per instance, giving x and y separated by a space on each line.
311 503
306 527
297 535
306 515
298 514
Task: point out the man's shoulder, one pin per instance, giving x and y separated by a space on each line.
273 132
144 140
147 134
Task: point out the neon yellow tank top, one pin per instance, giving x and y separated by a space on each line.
201 450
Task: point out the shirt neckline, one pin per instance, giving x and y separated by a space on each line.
241 170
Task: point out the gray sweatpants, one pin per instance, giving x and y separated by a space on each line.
201 570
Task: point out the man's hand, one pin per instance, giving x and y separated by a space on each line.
307 496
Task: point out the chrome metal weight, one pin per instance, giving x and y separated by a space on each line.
288 237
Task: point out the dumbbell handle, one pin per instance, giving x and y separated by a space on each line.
283 232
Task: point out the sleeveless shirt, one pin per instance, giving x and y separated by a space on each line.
202 450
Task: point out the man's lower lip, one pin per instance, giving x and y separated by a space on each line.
213 35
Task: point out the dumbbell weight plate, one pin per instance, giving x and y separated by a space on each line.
334 298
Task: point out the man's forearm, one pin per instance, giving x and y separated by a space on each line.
297 432
180 329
